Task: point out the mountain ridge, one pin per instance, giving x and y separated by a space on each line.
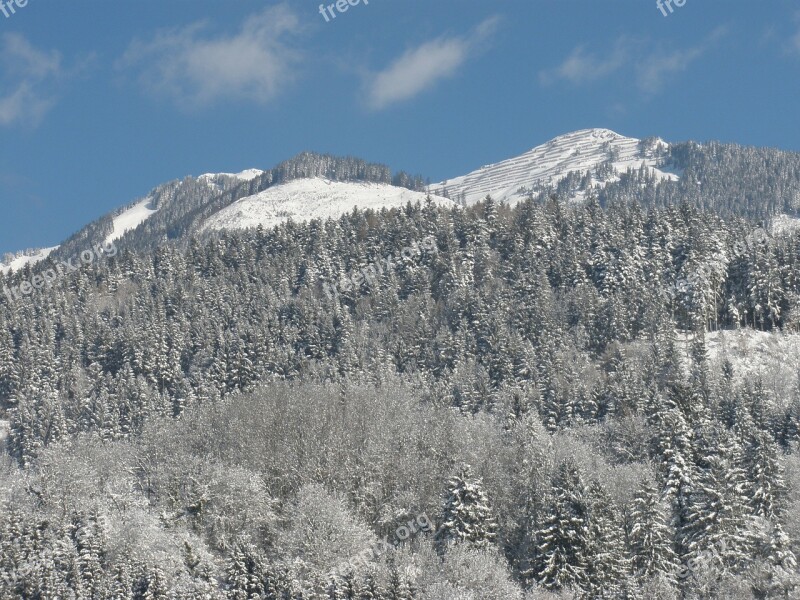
585 150
589 162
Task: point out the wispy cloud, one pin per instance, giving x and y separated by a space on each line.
653 72
197 69
421 68
27 80
580 67
794 42
652 66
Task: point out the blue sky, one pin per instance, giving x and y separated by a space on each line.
102 100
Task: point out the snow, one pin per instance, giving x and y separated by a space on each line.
21 259
127 220
306 199
247 175
130 219
582 151
784 224
773 356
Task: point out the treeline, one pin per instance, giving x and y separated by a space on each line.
184 205
140 334
522 385
728 179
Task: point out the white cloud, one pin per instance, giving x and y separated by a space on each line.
652 66
654 70
28 75
794 42
421 68
580 68
652 73
197 70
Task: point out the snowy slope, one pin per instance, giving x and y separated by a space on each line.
130 219
306 199
582 151
772 356
19 261
509 180
141 211
784 224
246 175
222 181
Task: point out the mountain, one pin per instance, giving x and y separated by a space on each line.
316 198
165 212
602 153
130 218
179 209
239 414
28 257
318 186
758 184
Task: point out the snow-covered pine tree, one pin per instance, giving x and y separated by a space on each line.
466 514
564 538
717 519
608 566
650 537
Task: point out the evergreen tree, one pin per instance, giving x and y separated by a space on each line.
245 574
466 514
608 565
564 542
650 538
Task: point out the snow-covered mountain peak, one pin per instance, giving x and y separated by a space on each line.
130 219
580 151
19 260
581 135
315 198
247 175
214 200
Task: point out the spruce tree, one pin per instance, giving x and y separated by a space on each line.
564 542
650 538
466 514
608 565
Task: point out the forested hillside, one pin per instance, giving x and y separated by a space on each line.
184 205
731 180
492 403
